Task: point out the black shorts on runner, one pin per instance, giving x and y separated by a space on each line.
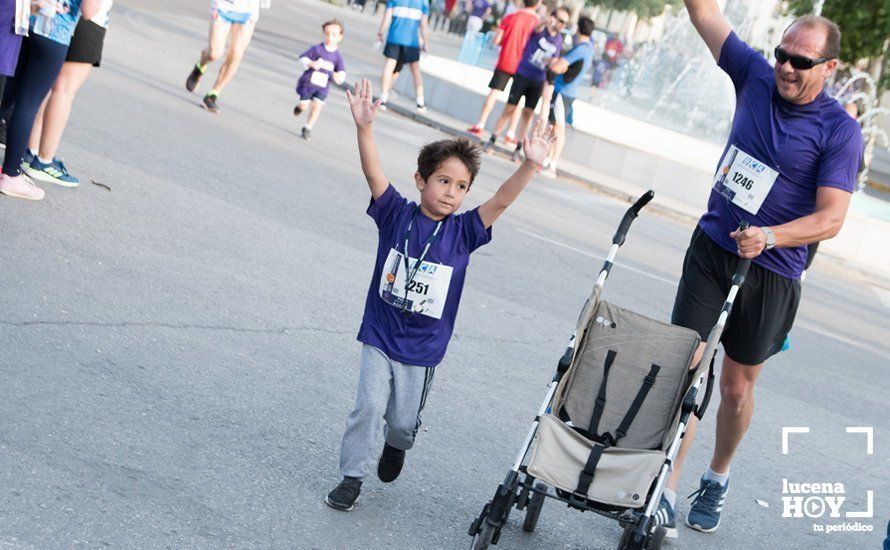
402 54
499 80
762 313
522 86
86 43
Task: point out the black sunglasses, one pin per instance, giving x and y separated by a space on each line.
558 20
799 62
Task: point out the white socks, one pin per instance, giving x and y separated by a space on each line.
384 97
671 497
711 475
44 161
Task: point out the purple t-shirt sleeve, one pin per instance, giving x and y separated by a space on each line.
309 54
385 209
740 61
339 66
472 231
839 162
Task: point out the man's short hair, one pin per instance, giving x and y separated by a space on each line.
832 48
432 155
530 3
585 26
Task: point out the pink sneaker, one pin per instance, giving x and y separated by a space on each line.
475 130
21 187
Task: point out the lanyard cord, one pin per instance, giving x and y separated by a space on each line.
411 273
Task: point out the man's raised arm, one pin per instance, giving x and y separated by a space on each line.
710 24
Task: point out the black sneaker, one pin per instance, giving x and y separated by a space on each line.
194 77
343 496
518 155
306 133
390 464
489 145
210 103
298 110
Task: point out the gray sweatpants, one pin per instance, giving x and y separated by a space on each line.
387 391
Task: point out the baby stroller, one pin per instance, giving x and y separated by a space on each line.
613 418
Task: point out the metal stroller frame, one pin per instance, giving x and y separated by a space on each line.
520 489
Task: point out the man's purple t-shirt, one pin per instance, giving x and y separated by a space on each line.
812 145
540 48
332 63
479 7
417 339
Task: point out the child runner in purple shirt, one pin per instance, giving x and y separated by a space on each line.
322 63
422 255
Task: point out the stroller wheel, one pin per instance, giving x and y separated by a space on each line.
482 539
657 538
630 541
533 508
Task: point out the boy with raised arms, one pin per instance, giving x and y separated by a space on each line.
422 255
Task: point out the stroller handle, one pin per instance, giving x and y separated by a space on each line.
630 215
741 270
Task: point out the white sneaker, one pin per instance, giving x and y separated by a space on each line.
20 187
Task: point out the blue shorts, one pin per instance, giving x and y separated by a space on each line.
233 17
318 95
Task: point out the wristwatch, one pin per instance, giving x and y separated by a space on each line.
770 238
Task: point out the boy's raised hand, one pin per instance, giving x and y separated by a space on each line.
362 105
537 144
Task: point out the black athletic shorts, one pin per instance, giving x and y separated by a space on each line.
522 86
86 43
402 54
762 313
499 80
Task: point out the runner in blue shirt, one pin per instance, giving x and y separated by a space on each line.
569 68
407 22
234 20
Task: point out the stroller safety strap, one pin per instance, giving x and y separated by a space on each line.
607 439
600 404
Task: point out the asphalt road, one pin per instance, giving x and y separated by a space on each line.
179 352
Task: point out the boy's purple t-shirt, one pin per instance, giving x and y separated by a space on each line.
333 63
417 339
480 7
811 145
540 48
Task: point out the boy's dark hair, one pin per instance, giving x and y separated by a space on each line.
530 3
432 155
585 26
333 21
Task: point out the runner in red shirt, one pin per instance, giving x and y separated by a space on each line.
512 35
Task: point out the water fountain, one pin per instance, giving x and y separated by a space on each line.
674 81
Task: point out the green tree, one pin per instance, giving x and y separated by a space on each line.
645 9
